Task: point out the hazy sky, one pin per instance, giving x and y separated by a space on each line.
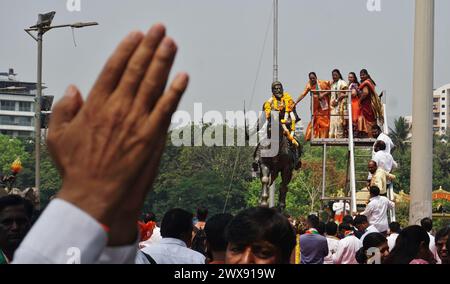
221 42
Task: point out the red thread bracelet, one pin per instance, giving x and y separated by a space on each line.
105 228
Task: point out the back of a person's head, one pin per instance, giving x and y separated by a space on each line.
215 231
331 228
372 240
395 227
313 221
202 214
345 227
427 224
321 228
348 219
408 244
16 200
374 190
262 224
381 145
149 217
359 220
176 223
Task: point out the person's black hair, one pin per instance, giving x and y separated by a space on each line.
313 221
339 73
16 200
395 227
372 240
345 227
427 224
312 73
381 145
321 228
356 77
348 219
408 244
331 228
360 219
149 217
442 233
215 231
202 214
374 190
368 75
176 223
262 224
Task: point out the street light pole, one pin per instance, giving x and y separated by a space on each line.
422 127
43 25
37 116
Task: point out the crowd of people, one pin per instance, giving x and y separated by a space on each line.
108 149
254 236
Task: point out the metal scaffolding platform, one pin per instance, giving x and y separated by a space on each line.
359 154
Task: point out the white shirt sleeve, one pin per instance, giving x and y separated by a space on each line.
391 204
368 211
64 234
119 255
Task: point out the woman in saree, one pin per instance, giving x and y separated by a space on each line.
370 105
321 107
356 111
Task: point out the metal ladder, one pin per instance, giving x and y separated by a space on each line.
359 153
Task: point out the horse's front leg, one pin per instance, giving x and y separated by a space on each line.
286 176
265 182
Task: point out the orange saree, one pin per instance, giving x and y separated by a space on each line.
321 111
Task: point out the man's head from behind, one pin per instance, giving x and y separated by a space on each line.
313 221
344 228
348 219
15 217
215 232
395 228
331 229
177 224
379 146
149 217
259 236
202 214
374 191
427 224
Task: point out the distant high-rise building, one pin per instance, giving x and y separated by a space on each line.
441 109
16 106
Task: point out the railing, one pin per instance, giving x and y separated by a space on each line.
345 140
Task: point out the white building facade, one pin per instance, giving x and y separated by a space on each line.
441 108
16 106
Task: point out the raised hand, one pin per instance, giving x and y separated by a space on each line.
108 148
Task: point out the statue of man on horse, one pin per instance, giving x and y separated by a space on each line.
280 124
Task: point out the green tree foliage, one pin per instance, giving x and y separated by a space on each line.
399 134
206 176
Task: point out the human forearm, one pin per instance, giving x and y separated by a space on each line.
63 234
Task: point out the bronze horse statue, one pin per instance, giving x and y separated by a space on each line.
279 156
